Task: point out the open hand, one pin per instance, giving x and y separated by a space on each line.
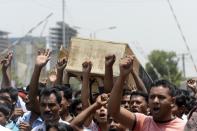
43 57
6 61
192 84
52 76
61 64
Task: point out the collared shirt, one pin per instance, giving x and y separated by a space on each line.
26 118
21 104
42 127
12 126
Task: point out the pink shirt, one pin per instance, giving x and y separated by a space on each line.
146 123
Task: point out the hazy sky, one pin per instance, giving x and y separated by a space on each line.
144 24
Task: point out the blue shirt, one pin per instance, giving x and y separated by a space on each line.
12 126
26 118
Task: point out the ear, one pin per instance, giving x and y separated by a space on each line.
173 102
148 111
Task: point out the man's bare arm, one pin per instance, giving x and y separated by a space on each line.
121 115
6 63
41 60
108 78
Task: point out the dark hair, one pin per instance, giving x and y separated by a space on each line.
126 92
67 90
48 91
181 97
13 92
5 109
5 99
60 127
77 94
73 106
165 84
139 93
190 104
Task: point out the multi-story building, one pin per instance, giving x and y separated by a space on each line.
4 43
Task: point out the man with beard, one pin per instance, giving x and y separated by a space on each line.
161 102
50 100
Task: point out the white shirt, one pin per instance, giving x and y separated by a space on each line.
42 127
4 129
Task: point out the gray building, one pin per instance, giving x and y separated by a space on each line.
4 43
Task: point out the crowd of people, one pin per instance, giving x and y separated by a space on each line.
54 106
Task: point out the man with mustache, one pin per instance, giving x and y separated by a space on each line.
161 102
50 99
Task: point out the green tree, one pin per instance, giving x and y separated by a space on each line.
166 65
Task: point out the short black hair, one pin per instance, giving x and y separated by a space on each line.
48 91
126 92
4 108
139 93
67 90
73 106
165 84
181 97
60 127
13 92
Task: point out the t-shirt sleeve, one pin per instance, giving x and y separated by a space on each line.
140 118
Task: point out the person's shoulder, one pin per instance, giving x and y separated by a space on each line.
141 120
178 120
92 127
140 115
65 122
4 129
39 127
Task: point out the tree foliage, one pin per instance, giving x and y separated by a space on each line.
166 63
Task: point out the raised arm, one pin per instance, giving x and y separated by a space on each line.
108 79
41 60
6 63
61 64
84 115
139 83
120 114
85 91
192 84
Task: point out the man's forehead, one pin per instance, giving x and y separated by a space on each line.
126 97
139 97
159 90
48 98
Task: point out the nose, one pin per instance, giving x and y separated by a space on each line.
156 100
126 105
134 105
46 108
102 108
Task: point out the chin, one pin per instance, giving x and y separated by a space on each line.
51 123
113 129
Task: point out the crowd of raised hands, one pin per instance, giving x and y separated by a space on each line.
53 105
